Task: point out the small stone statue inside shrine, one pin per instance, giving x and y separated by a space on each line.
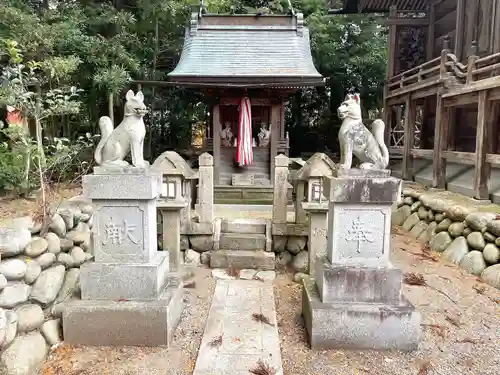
115 144
355 138
264 136
226 135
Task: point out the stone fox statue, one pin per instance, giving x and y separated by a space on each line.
115 144
355 138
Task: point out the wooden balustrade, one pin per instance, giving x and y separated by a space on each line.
454 84
447 67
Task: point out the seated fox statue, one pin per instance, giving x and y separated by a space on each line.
115 144
355 138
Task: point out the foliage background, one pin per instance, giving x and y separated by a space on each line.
99 45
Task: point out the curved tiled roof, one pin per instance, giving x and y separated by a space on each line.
362 6
246 51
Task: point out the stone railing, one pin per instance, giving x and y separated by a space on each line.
37 273
465 232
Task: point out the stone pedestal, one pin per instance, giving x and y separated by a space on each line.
129 278
355 299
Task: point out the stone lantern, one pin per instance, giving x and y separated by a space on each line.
311 203
174 202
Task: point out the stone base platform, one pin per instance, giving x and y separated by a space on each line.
114 281
123 323
359 325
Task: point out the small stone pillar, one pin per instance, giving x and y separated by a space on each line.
280 199
300 213
317 212
355 299
205 207
171 230
128 295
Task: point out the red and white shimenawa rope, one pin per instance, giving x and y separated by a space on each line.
244 151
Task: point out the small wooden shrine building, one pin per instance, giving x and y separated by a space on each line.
263 57
442 94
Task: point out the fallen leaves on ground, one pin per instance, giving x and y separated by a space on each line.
480 289
262 368
259 317
453 321
471 340
412 278
233 271
216 342
424 367
436 328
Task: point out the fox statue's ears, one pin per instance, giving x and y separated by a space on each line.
354 97
130 95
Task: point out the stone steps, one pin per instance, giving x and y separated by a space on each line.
225 194
242 259
243 226
242 241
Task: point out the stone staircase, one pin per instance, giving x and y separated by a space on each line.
243 244
260 167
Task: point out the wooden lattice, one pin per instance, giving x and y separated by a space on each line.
397 136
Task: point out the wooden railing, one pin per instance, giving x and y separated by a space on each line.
476 82
483 68
420 74
283 146
447 67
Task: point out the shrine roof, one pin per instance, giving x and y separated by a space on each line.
381 6
318 165
171 163
246 51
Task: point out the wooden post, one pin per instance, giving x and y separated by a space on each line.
273 144
471 27
444 57
471 63
440 143
390 72
216 142
431 31
496 27
409 131
459 37
484 138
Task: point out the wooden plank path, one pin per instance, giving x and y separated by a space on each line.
233 341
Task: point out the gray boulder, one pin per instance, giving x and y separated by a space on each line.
440 242
473 262
13 241
455 252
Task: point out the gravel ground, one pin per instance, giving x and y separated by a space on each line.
461 337
458 338
179 359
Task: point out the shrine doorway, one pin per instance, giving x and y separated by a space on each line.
260 167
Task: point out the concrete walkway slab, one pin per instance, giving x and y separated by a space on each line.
233 342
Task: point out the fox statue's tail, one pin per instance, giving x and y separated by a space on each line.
378 128
106 126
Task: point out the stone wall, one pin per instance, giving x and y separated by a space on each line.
465 232
37 273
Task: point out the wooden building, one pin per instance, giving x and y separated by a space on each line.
442 93
263 57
